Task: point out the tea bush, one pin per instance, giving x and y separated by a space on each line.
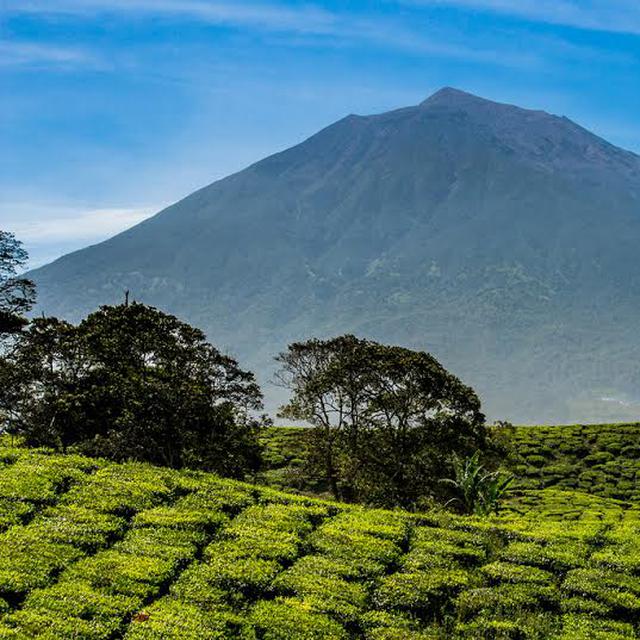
99 551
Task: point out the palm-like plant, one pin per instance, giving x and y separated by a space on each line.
479 491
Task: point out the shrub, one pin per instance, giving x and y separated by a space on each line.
39 478
195 585
81 527
252 576
181 516
531 627
120 573
292 619
506 599
164 542
506 572
124 489
38 624
619 591
383 625
420 591
576 627
27 561
553 557
170 619
365 553
14 512
327 594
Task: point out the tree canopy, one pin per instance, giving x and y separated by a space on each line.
17 294
387 419
132 382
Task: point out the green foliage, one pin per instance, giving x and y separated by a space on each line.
602 460
328 593
507 572
133 383
139 552
419 591
292 619
383 417
17 295
170 619
477 490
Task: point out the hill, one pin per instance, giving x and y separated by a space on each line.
503 240
98 551
598 459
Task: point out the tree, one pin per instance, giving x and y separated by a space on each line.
131 382
386 418
17 295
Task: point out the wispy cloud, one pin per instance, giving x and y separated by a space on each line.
63 229
618 16
20 53
271 16
343 28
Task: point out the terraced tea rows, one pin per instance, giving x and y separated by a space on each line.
96 550
602 460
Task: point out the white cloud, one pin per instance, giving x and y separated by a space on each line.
49 232
621 16
303 20
20 53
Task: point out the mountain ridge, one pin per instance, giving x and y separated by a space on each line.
402 226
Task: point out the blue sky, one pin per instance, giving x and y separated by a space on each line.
110 109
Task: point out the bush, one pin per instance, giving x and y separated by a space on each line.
170 619
366 554
14 512
617 590
533 627
553 557
28 562
124 489
120 573
292 619
506 599
326 594
506 572
251 576
420 591
577 627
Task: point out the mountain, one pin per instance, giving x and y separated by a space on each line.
505 241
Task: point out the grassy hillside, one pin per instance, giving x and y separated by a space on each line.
602 460
98 550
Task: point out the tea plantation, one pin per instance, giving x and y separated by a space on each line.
95 550
602 460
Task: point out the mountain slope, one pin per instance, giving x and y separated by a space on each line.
502 240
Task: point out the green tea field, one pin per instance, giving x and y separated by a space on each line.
603 460
95 550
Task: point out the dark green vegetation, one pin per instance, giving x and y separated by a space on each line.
478 232
602 460
17 294
94 550
130 382
595 460
386 420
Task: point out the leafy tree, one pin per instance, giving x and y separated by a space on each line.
131 382
478 491
386 418
17 295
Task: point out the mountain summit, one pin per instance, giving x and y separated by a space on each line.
503 240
